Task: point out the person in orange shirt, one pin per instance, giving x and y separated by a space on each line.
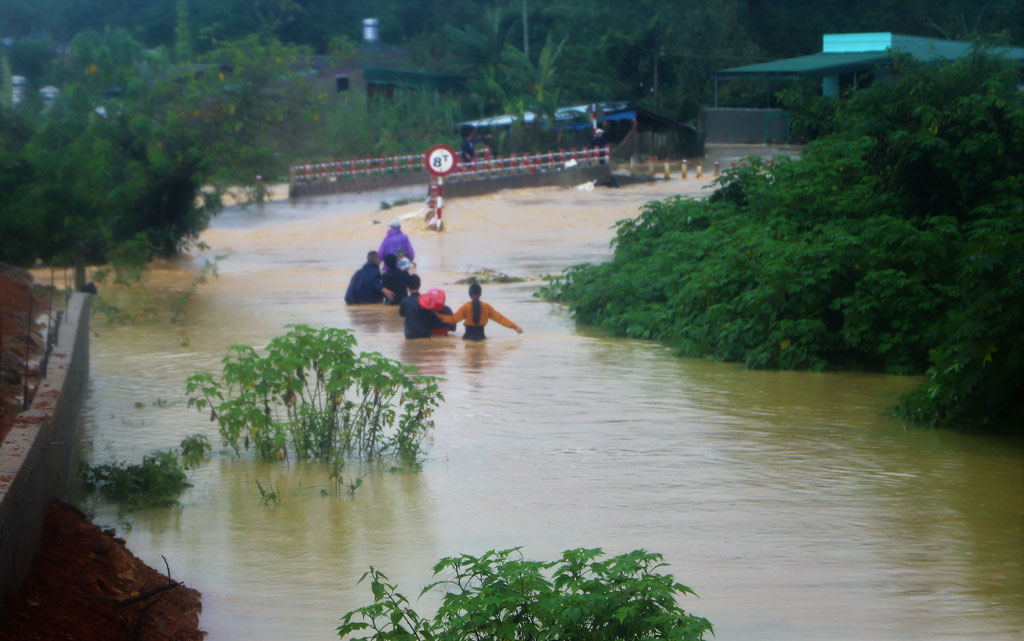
475 315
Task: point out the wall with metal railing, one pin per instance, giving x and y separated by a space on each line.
355 168
549 161
386 172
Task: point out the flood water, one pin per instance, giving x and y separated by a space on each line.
792 503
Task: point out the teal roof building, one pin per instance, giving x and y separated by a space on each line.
846 59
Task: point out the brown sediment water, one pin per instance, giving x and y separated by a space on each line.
792 502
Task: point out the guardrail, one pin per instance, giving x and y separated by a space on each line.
486 167
359 167
528 163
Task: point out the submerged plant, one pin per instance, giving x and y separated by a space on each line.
311 392
501 595
156 482
194 448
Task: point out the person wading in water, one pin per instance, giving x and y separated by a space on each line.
418 321
475 315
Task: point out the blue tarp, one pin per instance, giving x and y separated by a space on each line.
584 123
621 115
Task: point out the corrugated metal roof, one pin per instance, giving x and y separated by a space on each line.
846 52
405 78
581 113
818 64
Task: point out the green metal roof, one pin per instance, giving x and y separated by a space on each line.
405 78
846 52
818 64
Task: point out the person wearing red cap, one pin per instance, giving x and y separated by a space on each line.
418 321
433 301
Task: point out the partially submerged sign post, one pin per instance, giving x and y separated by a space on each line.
440 161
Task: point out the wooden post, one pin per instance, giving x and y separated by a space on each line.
79 266
700 169
28 341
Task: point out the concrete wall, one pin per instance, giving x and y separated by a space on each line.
745 126
35 459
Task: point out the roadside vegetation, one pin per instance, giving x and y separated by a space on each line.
895 244
157 481
310 396
502 595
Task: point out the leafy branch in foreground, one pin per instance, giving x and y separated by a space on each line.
501 595
312 392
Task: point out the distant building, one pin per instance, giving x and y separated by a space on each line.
856 59
18 84
846 60
49 94
377 69
374 81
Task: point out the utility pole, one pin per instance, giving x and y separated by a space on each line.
657 56
526 34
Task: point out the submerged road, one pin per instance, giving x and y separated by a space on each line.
791 502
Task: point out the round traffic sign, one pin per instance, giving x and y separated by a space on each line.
440 160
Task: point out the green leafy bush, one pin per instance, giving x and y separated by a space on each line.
501 595
312 392
895 244
194 448
156 482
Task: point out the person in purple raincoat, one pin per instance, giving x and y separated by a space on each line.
395 240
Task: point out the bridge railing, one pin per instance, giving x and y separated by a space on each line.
527 163
355 168
486 167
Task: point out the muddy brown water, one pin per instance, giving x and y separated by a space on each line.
793 503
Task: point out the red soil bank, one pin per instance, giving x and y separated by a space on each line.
85 585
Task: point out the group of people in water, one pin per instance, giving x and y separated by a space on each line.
386 278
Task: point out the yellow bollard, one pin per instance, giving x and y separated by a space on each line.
668 174
718 170
700 169
683 172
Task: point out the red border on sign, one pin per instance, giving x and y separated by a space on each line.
455 160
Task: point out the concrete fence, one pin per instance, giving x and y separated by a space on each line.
35 459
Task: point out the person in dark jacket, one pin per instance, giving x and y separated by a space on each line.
467 153
365 286
395 281
418 321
